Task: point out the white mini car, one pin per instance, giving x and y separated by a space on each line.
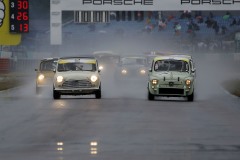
77 76
172 76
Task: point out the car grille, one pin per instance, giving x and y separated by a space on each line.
77 84
172 91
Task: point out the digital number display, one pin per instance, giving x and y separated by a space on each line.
19 17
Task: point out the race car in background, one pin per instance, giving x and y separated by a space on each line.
107 60
45 73
131 67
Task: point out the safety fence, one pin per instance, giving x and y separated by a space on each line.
4 65
23 65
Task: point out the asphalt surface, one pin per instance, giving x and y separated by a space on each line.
123 124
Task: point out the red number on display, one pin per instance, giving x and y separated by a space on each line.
22 4
22 16
23 27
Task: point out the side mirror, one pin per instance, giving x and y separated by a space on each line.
99 71
54 70
150 70
193 70
36 70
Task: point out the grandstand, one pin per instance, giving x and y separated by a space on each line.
120 32
128 29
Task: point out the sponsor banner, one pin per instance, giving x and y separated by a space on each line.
148 5
5 37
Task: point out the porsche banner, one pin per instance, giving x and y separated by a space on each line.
148 5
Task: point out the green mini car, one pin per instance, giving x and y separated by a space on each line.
172 76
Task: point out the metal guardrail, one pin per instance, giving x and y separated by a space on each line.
9 65
24 64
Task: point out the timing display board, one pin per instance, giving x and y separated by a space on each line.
19 16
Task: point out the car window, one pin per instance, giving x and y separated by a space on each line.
76 67
48 65
171 65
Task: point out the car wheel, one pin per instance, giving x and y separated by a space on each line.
150 96
98 94
56 95
190 97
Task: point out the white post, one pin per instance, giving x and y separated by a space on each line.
55 22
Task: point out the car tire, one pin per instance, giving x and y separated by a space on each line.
98 94
190 98
150 96
56 95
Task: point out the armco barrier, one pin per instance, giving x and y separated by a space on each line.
4 65
24 64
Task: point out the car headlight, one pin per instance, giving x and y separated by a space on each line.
142 71
100 67
154 81
188 82
59 79
124 71
94 78
40 77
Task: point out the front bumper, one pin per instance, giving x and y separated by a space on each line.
77 91
171 91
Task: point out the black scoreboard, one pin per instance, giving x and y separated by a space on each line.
19 16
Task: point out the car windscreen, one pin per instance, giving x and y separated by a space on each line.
48 65
133 61
171 65
76 66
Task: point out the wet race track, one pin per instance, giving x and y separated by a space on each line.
123 124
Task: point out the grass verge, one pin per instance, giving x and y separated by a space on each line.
8 81
233 86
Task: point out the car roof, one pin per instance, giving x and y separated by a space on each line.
48 59
87 57
79 58
176 57
182 56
